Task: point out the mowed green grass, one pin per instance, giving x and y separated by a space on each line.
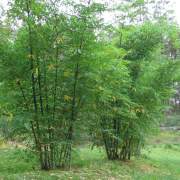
160 160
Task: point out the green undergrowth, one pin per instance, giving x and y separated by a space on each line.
158 161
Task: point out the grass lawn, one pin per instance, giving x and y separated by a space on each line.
160 160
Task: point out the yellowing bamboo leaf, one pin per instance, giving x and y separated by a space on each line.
59 40
67 98
10 116
51 66
115 109
67 74
139 110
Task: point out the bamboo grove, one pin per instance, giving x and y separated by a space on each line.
65 73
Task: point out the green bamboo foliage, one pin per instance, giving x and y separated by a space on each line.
55 49
66 74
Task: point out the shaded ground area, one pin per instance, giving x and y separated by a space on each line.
160 160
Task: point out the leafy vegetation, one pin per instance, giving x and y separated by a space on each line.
68 79
159 161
